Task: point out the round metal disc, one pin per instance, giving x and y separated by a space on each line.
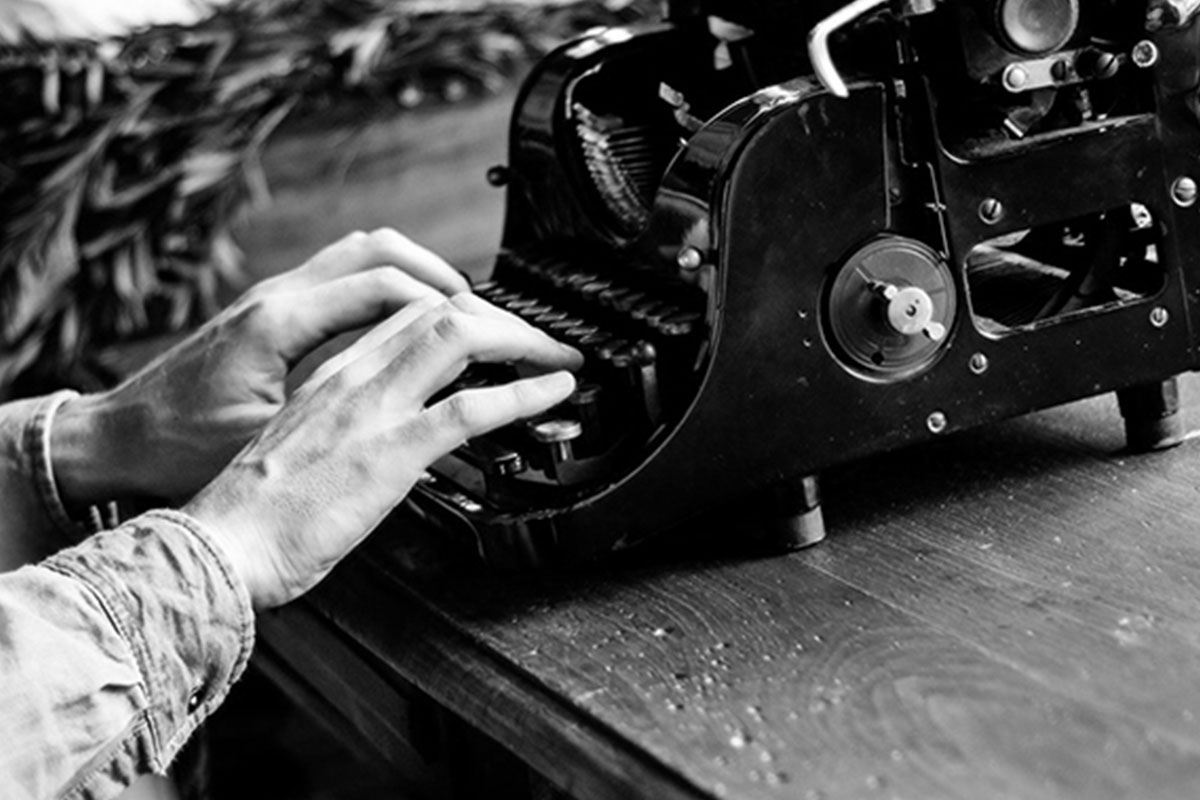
861 314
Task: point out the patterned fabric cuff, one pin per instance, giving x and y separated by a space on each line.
37 445
173 596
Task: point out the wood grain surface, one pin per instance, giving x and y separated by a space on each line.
1010 612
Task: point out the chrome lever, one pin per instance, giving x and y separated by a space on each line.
818 42
818 37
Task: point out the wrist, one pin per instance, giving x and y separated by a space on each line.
92 451
225 511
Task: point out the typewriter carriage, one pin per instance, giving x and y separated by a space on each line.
939 249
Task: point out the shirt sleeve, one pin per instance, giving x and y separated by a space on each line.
34 523
112 652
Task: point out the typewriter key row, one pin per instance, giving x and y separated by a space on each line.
633 339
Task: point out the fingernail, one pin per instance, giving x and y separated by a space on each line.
559 382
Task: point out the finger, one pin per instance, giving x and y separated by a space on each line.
375 338
473 412
316 314
431 353
383 247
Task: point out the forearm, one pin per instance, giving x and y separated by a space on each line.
96 447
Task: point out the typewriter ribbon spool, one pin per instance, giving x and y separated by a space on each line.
890 307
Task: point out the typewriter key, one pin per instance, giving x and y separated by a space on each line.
491 458
545 319
626 303
557 434
679 324
563 325
578 280
533 311
579 333
585 402
610 297
648 310
505 297
592 290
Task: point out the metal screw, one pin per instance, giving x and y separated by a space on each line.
1144 54
979 363
499 175
991 211
1183 191
689 258
1015 78
1159 316
936 422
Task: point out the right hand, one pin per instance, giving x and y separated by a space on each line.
352 442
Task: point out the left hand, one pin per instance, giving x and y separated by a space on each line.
170 428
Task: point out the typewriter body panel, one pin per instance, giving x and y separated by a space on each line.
769 279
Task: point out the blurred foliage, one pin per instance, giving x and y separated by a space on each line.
123 163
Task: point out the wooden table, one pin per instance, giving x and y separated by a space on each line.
1013 612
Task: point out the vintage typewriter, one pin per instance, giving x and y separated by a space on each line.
790 234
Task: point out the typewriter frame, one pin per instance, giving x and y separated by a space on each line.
774 191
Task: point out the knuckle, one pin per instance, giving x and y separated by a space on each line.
386 234
259 291
264 311
429 304
386 280
451 326
352 245
459 412
524 394
385 240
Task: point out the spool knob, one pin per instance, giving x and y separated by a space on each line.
910 311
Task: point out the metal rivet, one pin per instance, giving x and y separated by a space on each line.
689 258
990 211
1183 191
979 363
499 175
1144 54
1159 316
936 422
1015 78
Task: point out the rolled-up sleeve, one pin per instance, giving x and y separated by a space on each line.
112 652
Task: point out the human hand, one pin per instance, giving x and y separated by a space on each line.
170 428
354 439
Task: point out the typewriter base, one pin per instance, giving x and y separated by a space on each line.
1153 420
794 515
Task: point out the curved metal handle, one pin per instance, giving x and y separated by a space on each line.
818 42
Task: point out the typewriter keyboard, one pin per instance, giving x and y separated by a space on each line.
643 337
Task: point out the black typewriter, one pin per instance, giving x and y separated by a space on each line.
790 234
